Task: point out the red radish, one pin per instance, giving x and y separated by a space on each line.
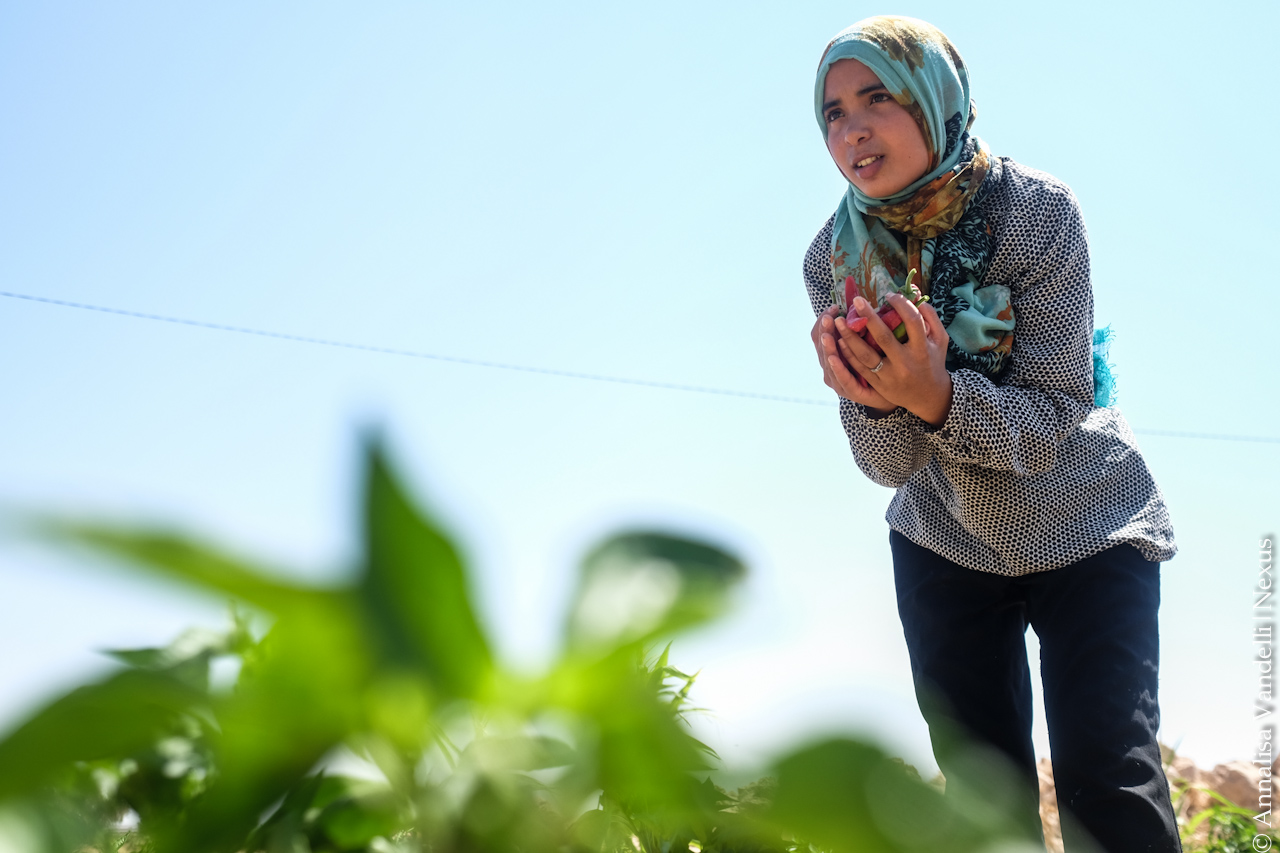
850 290
891 318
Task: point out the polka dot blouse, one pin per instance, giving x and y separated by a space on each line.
1025 474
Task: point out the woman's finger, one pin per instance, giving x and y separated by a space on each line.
823 323
835 347
826 348
917 330
876 328
858 348
823 328
936 330
861 368
846 384
846 371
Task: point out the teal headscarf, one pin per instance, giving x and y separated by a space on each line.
939 230
923 72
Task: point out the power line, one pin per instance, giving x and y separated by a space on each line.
546 371
283 336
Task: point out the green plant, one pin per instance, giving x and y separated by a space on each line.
1231 829
372 715
1219 827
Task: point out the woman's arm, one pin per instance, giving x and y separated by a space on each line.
1048 390
887 445
963 416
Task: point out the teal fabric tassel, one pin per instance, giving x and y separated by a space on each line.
1104 381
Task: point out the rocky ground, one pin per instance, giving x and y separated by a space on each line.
1238 781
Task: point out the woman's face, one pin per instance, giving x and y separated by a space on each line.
873 139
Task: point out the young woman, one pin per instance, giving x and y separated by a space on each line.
1019 501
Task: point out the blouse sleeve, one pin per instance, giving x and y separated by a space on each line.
1018 425
888 449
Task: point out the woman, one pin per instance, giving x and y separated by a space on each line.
1019 501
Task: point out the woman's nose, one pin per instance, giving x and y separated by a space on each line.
856 132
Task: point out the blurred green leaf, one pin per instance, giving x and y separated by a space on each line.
180 558
394 668
187 658
353 812
823 796
290 817
32 827
528 752
118 716
302 699
637 586
415 588
397 706
987 797
644 755
598 829
851 796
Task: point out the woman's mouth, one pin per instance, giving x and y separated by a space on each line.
868 166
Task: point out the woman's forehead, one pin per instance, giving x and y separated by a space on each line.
844 72
851 77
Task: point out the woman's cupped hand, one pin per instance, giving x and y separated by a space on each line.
913 374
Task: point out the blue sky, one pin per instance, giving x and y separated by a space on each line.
595 189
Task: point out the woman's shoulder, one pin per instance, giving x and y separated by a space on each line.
817 260
1028 206
1023 189
1038 228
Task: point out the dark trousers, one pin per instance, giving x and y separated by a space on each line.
1099 661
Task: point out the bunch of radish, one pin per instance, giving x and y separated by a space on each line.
844 301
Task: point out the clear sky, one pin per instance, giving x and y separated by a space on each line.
598 188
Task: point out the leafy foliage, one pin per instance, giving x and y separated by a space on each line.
1220 827
373 716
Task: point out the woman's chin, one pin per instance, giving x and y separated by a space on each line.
881 187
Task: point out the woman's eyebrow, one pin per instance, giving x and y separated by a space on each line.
867 90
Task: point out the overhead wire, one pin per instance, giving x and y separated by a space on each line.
474 362
523 368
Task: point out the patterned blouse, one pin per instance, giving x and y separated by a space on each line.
1025 474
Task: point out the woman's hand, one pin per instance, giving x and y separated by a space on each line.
835 370
913 374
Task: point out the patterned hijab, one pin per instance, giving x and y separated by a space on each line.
939 216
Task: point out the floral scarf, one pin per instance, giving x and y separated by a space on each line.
940 215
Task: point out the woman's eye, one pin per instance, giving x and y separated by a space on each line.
832 116
880 96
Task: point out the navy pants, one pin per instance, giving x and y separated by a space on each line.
1099 661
